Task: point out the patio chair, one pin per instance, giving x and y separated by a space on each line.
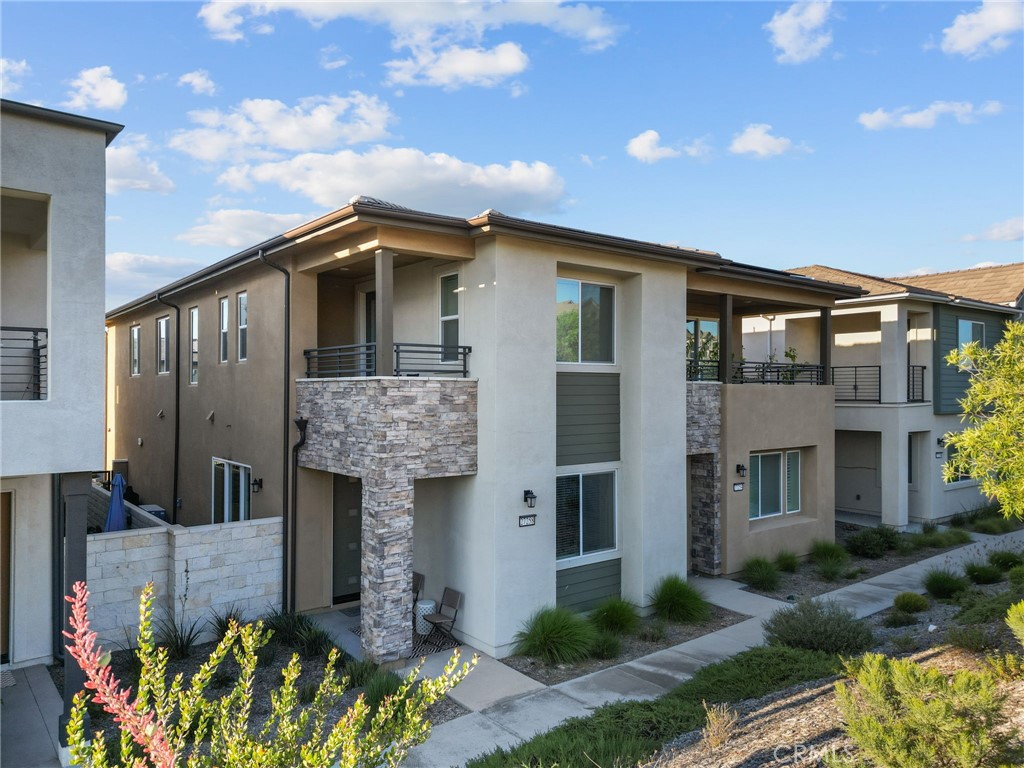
417 587
444 620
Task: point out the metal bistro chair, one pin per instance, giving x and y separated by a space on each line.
444 620
417 587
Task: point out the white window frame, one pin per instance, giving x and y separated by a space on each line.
783 483
960 480
961 321
163 345
134 350
579 332
442 319
224 310
193 345
614 553
242 299
245 504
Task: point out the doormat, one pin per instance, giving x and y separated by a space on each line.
423 645
351 612
6 679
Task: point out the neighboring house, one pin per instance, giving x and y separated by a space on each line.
497 403
896 397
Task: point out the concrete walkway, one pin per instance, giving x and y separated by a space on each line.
28 720
507 707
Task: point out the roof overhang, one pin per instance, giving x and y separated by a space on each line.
61 118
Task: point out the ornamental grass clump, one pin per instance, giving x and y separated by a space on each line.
1005 559
910 602
761 574
675 600
787 561
818 626
171 723
943 583
557 636
615 615
983 573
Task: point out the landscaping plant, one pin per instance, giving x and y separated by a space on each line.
868 543
943 584
910 602
675 600
220 621
818 625
824 551
1016 577
720 721
556 635
616 615
172 723
761 573
983 573
898 618
1005 559
787 562
606 646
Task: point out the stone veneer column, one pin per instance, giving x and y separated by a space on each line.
386 613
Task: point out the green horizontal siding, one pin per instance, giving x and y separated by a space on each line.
587 418
949 384
583 588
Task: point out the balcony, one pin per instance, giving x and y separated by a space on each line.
758 373
23 363
863 383
360 360
915 383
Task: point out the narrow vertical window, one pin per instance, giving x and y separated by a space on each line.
792 481
450 317
193 347
231 495
585 322
133 354
968 331
585 517
774 483
222 336
243 326
163 360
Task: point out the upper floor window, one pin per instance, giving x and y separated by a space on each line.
232 492
774 483
163 360
701 339
584 322
968 331
243 326
450 317
222 336
193 346
959 476
585 521
133 354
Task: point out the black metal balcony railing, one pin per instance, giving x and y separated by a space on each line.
701 370
354 360
757 373
915 383
23 363
857 383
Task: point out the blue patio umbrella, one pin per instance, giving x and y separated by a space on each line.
116 520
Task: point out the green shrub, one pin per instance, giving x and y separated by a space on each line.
675 600
1005 559
853 573
359 672
904 643
307 692
817 626
266 654
787 562
1015 621
761 573
615 615
831 569
983 573
381 685
867 543
935 539
219 621
897 618
978 608
907 545
943 583
287 625
556 635
606 646
995 526
178 634
828 551
970 638
910 602
313 641
1016 576
1006 666
652 631
899 713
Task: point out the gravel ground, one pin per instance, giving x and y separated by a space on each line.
632 648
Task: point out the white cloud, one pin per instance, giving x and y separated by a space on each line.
11 71
517 89
698 149
985 30
96 87
962 111
330 58
798 31
455 66
1007 231
199 81
646 147
434 182
262 128
756 139
237 228
130 275
127 168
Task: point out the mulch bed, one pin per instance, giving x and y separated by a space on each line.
632 648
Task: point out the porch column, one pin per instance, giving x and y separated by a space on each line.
895 497
385 287
893 354
386 580
75 497
825 344
725 338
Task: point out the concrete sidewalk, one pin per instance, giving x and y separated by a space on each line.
28 720
508 707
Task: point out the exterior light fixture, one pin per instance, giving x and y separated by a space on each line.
741 470
257 484
530 499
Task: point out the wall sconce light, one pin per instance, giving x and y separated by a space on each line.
530 499
257 484
741 470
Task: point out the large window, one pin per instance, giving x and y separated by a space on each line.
959 477
450 317
243 326
163 359
193 345
968 331
231 491
584 514
774 483
222 335
584 322
133 352
702 339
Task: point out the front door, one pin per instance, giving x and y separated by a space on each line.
348 521
5 577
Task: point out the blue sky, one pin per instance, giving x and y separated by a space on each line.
885 138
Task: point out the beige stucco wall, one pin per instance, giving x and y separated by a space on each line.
766 418
23 282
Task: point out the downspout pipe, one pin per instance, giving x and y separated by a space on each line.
177 404
301 424
287 510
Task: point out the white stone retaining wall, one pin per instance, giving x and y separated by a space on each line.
227 564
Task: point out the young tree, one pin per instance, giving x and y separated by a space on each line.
991 449
175 723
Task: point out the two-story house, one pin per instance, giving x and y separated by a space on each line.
896 398
497 403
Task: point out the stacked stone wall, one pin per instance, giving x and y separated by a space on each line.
703 417
703 446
